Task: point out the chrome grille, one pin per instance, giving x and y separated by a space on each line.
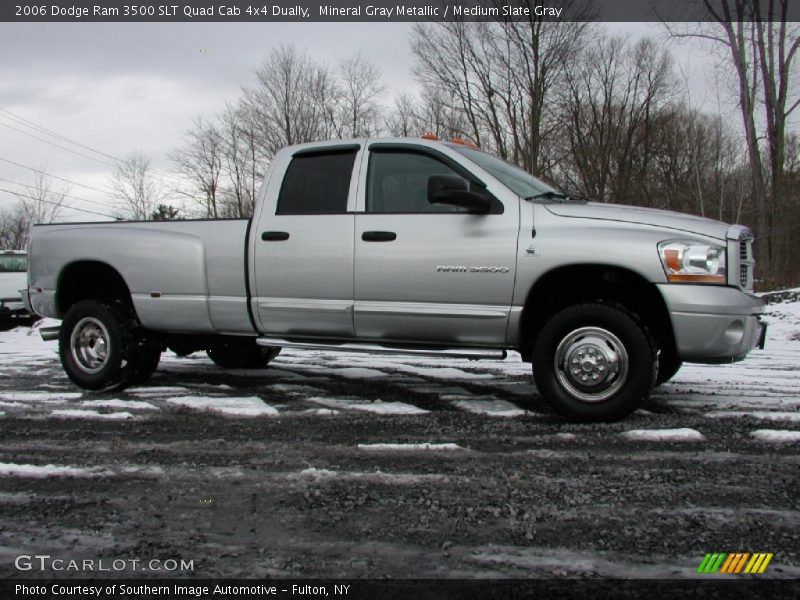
746 264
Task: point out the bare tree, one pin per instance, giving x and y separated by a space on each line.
200 161
761 47
500 76
403 119
611 99
359 89
44 197
135 187
293 100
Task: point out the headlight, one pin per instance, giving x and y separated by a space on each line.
688 261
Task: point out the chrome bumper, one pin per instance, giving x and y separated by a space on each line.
714 324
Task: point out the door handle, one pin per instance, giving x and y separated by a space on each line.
379 236
275 236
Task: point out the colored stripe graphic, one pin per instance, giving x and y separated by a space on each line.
735 563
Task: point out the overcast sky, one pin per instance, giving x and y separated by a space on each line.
119 87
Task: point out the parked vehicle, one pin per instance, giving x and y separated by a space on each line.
407 245
13 279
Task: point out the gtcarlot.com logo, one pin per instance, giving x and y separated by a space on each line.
45 562
735 563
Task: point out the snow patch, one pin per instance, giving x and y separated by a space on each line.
492 408
404 447
664 435
235 407
129 404
778 436
90 414
41 471
764 415
46 397
379 407
315 474
156 390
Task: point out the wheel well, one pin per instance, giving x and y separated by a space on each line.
565 286
90 280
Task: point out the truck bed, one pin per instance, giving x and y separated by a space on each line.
184 276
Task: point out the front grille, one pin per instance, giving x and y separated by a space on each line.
746 264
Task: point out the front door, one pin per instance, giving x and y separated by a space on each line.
425 272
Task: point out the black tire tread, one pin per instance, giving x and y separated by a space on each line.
624 402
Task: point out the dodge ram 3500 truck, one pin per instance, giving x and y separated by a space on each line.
407 246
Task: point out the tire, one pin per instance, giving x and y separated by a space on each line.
614 358
668 365
97 343
146 363
241 354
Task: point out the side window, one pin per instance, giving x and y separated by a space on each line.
316 183
398 183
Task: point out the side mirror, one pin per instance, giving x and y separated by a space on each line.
447 189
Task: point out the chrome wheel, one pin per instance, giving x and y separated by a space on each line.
89 345
591 364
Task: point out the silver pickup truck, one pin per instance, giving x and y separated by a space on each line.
407 246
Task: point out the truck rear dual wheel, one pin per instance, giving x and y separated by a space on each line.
594 362
102 346
241 354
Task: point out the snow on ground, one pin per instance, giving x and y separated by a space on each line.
492 407
314 474
764 387
232 407
90 414
765 415
776 435
115 403
40 471
383 408
44 397
413 447
664 435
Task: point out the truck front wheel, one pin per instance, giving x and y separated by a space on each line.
98 345
594 362
241 354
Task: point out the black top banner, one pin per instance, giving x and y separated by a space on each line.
399 11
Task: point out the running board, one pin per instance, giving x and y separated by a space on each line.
379 348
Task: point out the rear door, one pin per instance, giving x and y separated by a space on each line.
430 273
303 254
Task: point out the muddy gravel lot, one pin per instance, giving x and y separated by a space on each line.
346 465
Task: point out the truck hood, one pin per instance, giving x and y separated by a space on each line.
644 216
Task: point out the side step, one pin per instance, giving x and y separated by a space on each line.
384 349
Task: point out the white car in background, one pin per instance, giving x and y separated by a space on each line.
13 278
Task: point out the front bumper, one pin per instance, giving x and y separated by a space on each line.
713 324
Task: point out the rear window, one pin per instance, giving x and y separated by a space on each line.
13 263
317 184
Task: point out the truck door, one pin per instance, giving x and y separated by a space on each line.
303 255
425 272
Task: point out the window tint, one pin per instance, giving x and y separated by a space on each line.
317 183
398 182
13 263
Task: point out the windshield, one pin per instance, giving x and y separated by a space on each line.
13 263
518 181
